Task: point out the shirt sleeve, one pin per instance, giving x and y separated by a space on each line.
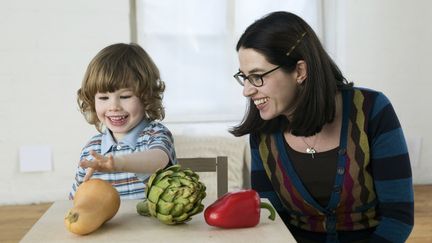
159 137
391 172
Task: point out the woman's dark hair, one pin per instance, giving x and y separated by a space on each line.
274 36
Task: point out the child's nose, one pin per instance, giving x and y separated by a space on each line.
114 105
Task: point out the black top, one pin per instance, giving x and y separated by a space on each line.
317 174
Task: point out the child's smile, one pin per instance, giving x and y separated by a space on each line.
118 120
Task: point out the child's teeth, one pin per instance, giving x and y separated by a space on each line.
117 118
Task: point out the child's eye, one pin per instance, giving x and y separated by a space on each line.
102 98
125 96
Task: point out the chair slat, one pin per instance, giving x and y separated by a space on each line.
210 164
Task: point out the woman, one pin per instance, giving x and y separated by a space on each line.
331 157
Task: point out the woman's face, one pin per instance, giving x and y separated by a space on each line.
276 95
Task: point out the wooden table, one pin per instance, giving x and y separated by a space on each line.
127 226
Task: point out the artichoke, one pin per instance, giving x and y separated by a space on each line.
174 195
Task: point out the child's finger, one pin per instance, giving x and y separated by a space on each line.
96 155
89 174
85 163
111 161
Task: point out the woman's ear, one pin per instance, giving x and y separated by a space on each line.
301 70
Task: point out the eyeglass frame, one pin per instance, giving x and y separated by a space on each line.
238 76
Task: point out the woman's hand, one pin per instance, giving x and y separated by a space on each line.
99 163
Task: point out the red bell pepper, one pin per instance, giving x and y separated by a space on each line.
237 209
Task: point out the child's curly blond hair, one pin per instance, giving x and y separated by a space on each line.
121 66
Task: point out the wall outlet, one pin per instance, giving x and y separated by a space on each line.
35 158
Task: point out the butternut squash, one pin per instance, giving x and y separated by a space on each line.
96 201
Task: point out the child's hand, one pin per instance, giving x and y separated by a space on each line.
99 163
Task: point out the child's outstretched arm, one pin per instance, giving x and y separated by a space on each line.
139 162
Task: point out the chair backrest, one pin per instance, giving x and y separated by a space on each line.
210 164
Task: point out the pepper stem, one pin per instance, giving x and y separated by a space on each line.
270 208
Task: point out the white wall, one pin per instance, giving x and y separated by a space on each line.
45 47
385 45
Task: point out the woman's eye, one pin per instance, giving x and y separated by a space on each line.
103 98
254 77
125 96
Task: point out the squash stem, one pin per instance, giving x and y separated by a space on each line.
72 217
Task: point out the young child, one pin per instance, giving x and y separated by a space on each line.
121 95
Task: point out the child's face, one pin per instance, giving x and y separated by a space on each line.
119 111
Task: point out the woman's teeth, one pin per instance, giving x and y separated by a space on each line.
260 101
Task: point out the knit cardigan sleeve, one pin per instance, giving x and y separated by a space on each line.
259 179
391 173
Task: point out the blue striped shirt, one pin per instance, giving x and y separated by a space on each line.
146 135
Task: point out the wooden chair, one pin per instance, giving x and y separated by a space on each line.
210 164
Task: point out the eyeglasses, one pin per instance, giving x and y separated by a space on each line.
254 79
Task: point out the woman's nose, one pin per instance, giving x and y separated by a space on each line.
248 89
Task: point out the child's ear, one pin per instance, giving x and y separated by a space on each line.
301 70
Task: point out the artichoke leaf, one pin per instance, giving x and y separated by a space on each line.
161 175
179 174
187 192
177 210
181 200
185 182
169 194
197 209
152 208
166 219
155 193
182 217
164 207
164 183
